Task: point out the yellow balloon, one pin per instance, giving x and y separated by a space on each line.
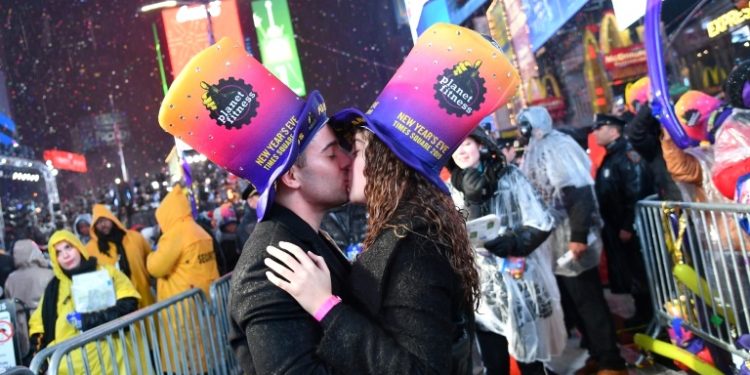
674 352
687 276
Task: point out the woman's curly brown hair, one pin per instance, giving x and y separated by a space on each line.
392 184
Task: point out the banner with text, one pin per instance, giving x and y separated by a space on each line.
187 29
66 160
278 50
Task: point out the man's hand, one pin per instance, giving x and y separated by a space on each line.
625 236
577 248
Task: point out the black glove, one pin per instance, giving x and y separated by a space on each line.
122 307
518 243
502 246
478 187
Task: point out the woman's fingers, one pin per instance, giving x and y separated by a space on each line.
298 253
278 268
283 257
275 280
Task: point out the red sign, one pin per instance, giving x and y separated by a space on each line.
6 331
187 29
66 160
626 62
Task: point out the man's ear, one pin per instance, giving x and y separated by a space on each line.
290 178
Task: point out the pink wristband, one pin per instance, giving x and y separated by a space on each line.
329 303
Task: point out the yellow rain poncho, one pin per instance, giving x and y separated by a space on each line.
136 248
63 329
184 257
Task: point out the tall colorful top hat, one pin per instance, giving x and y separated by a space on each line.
693 110
450 81
227 106
636 94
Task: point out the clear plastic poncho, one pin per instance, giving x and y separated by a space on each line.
525 310
732 152
552 161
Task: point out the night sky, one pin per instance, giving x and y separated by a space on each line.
63 58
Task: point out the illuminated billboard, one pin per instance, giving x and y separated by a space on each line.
278 50
187 29
545 17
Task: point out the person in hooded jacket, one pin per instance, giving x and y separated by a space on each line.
27 284
56 320
184 259
732 156
559 169
113 244
6 266
82 228
490 186
31 276
184 256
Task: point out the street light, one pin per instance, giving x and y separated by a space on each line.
159 5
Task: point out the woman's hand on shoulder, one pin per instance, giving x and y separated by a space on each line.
303 275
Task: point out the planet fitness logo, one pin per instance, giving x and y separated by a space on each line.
460 90
231 102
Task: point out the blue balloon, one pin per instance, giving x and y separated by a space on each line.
661 106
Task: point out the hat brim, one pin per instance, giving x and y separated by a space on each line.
345 122
312 116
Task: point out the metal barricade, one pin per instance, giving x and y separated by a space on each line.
698 265
172 336
17 370
219 295
39 362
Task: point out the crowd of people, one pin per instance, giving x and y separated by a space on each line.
349 254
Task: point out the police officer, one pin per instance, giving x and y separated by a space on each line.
622 180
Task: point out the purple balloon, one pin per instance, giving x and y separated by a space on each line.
660 106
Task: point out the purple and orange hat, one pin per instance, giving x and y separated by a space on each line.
452 79
231 109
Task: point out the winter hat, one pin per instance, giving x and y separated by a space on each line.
229 107
636 94
737 86
450 81
693 110
225 215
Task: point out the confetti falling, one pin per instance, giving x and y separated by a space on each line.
63 58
